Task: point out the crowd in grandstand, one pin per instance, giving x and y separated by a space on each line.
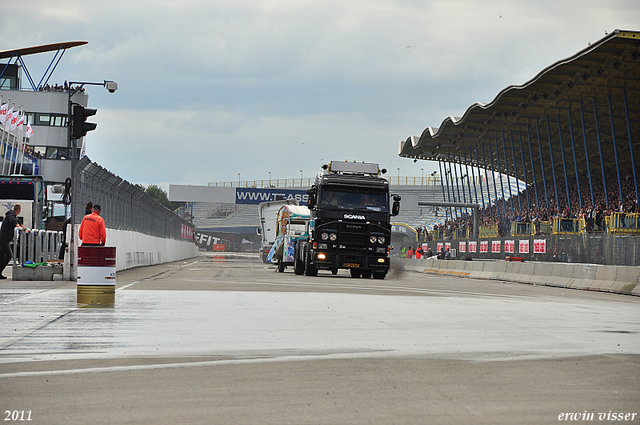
503 212
60 87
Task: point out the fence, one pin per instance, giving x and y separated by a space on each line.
37 246
594 248
124 205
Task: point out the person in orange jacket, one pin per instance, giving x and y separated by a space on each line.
92 229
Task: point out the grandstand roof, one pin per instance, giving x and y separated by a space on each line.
600 80
40 49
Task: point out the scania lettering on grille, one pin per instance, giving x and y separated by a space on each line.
355 217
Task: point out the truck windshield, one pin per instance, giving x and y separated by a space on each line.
362 199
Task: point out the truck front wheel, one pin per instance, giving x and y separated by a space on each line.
379 275
298 260
309 269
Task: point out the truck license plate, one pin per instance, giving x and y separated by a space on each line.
352 265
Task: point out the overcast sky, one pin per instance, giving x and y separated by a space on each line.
209 89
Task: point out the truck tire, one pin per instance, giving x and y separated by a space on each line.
379 275
367 274
334 271
298 260
281 266
354 273
309 269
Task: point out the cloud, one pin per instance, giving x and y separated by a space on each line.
208 89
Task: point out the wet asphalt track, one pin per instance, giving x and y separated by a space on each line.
225 339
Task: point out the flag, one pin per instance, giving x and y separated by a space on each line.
7 124
29 132
20 122
3 113
14 120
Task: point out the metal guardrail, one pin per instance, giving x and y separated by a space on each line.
308 182
37 246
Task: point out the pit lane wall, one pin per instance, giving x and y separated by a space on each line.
591 277
135 249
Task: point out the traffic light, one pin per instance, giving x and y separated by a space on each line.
79 125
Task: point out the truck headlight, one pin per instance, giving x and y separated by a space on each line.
333 237
381 240
324 236
372 239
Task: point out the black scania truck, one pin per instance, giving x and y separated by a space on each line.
350 222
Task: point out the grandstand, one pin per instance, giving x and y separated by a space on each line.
243 218
571 135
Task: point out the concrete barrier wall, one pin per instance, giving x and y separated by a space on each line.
592 277
134 249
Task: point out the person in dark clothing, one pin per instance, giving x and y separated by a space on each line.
9 224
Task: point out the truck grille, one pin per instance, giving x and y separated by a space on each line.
353 238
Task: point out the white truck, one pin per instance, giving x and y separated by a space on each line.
268 212
292 225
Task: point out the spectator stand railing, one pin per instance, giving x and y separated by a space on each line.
625 223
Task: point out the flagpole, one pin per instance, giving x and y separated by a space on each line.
5 143
22 147
14 156
15 167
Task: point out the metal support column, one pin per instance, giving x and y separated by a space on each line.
473 175
544 179
515 169
506 168
575 162
553 167
455 172
464 196
604 180
504 203
533 167
586 155
524 170
615 149
493 177
564 165
633 162
484 161
479 177
444 198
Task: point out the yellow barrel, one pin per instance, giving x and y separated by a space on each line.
96 294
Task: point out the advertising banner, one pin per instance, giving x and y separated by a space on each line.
495 246
484 246
509 246
523 246
472 246
249 195
539 246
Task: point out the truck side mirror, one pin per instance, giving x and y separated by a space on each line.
312 197
395 209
